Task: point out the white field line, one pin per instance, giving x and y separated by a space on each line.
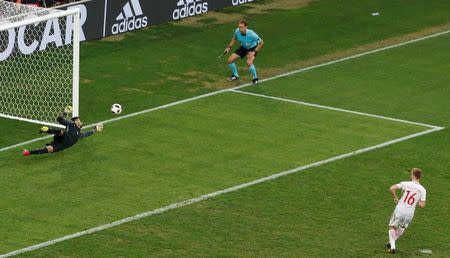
214 194
351 57
127 116
242 86
337 109
25 143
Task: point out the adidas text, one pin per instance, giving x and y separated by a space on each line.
238 2
130 18
190 8
129 25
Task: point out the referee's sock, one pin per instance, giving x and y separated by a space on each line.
233 69
253 71
39 151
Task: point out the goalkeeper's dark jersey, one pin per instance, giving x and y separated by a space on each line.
71 135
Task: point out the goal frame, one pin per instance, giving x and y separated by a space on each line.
75 12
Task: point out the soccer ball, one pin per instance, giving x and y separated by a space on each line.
116 108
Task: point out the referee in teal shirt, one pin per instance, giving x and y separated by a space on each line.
251 43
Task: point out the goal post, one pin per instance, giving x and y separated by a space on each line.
39 62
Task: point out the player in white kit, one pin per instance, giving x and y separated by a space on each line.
413 193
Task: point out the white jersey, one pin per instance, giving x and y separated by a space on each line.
413 192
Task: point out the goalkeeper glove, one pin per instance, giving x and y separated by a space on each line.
67 110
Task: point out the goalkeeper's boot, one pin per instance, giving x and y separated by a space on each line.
233 78
255 81
26 153
44 129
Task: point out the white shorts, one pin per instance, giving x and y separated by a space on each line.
399 220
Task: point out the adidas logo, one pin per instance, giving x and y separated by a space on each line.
131 18
238 2
187 8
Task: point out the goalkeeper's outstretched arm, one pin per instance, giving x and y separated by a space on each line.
98 127
62 120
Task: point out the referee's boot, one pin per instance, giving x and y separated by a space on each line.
233 78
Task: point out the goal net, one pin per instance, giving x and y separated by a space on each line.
39 62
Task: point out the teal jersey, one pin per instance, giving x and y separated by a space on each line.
250 40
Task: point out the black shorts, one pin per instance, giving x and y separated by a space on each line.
58 146
242 51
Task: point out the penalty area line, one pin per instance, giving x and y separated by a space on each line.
215 194
337 109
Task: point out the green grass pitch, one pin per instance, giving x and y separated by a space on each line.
145 162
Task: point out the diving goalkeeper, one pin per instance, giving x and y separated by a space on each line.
64 138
